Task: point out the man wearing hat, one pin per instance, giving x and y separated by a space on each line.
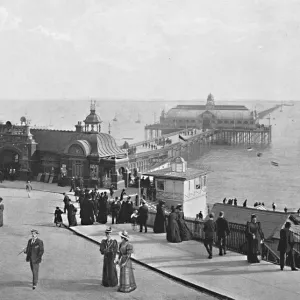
34 252
222 229
143 216
285 246
209 230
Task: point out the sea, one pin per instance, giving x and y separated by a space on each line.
236 172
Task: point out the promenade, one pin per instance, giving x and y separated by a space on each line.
226 277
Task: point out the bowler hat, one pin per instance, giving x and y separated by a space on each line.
34 231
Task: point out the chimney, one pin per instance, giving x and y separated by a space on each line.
79 127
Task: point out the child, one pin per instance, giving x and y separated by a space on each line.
134 217
28 188
57 216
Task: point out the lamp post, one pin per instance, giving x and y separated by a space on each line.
139 188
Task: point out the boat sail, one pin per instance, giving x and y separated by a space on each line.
138 120
115 118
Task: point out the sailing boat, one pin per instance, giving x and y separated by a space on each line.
115 118
138 120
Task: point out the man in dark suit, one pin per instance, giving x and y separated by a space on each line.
115 209
143 216
209 230
285 246
222 229
66 202
34 252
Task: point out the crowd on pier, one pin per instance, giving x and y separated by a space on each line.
234 202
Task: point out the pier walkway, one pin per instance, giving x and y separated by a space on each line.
225 277
264 113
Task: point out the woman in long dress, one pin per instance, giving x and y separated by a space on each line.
254 236
1 212
127 281
160 218
109 248
173 233
185 233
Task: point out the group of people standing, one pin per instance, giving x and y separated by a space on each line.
117 255
177 229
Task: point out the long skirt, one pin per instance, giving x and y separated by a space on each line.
173 233
252 250
1 218
185 233
127 281
109 275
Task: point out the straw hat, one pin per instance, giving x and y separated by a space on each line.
124 234
108 230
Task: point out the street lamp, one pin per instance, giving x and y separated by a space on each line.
139 174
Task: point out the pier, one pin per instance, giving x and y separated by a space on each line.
262 114
143 159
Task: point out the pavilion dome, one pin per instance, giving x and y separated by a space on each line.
93 118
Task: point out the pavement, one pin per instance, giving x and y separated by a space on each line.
71 267
225 277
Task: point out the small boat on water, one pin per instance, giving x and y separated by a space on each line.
259 154
127 138
274 163
115 118
138 121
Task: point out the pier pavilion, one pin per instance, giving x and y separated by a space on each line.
209 116
85 152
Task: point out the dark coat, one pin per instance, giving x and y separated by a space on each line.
35 251
143 213
222 227
286 241
209 229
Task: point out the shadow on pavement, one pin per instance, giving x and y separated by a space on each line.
76 285
16 283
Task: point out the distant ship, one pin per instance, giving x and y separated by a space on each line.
138 120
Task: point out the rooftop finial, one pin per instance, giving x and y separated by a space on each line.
93 105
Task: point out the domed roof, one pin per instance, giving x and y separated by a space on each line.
92 118
178 160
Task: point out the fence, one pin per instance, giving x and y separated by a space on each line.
236 241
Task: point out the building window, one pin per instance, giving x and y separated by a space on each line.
251 122
226 122
231 122
198 183
220 122
94 171
160 184
239 122
245 122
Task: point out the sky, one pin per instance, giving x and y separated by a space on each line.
145 50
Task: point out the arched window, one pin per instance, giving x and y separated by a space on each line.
226 122
245 122
231 122
239 122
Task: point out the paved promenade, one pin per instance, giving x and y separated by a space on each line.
229 276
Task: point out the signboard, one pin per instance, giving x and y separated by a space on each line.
51 179
39 177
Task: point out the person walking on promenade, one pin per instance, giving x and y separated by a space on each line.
245 203
111 190
143 216
173 233
285 246
209 230
134 217
57 216
160 218
222 229
66 202
72 210
127 280
274 206
72 185
254 236
28 188
200 215
1 212
122 194
115 209
185 233
109 249
34 252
